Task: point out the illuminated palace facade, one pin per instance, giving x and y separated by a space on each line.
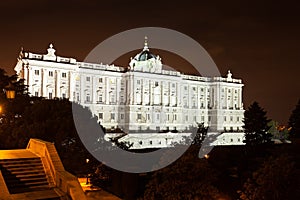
143 96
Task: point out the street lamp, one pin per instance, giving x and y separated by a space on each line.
10 91
87 176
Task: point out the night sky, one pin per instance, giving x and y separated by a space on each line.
259 41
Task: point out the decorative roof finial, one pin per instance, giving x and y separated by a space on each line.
51 50
229 75
146 44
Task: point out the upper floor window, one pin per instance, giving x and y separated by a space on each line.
139 116
64 75
51 73
36 72
112 116
88 98
88 78
100 80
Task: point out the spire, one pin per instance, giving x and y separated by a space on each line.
146 44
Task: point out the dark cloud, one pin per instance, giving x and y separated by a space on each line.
257 40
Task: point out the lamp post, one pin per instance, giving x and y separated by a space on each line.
10 91
87 176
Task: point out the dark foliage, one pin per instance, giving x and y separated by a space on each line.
294 121
256 125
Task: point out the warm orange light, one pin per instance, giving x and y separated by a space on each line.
10 94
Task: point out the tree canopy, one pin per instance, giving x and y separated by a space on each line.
294 121
188 178
256 125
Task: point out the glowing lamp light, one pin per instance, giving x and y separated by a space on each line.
10 91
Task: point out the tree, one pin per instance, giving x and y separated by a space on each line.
277 131
256 125
188 178
294 121
274 180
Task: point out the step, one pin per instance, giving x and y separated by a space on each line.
29 168
29 184
19 159
25 180
29 175
49 194
28 189
15 165
16 162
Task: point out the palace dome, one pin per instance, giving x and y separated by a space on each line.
145 54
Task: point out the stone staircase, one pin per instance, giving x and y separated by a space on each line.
24 175
36 173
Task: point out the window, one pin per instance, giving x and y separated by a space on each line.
185 87
88 98
168 117
157 116
51 73
173 85
100 80
100 115
139 116
64 75
88 79
138 82
202 118
63 95
231 118
141 142
112 116
225 118
231 140
156 83
150 142
50 95
122 116
209 118
148 116
36 94
186 118
238 119
36 72
100 98
175 117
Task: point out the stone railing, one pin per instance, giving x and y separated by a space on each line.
62 179
3 188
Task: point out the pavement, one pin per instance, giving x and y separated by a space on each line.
95 193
